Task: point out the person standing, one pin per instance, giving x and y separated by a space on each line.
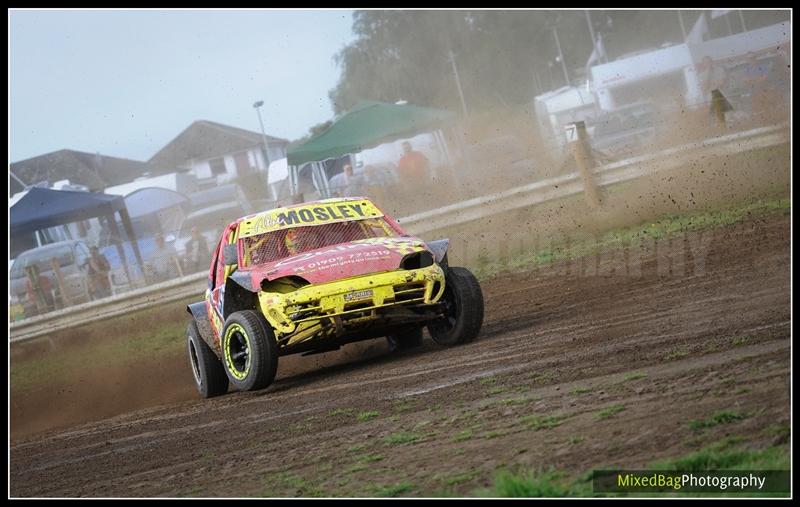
197 253
346 184
98 269
39 292
413 166
162 266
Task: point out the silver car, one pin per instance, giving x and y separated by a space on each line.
71 257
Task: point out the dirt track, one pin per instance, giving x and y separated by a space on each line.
712 335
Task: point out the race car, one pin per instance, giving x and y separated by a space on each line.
312 277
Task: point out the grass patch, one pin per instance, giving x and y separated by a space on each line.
727 454
392 489
356 468
537 423
403 407
575 440
117 350
369 458
493 434
740 340
512 401
365 416
421 424
496 390
488 381
532 485
635 376
581 390
664 227
404 437
676 354
723 417
357 448
542 377
342 411
782 431
457 479
295 483
610 412
461 436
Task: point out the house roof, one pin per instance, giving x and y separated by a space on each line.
205 139
91 169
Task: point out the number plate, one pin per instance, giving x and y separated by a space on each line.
357 295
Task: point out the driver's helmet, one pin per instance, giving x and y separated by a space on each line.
297 241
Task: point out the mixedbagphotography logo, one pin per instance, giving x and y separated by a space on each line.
668 481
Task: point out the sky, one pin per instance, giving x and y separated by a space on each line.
125 83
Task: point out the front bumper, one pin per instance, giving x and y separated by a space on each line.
334 307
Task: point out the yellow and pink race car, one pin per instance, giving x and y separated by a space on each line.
312 277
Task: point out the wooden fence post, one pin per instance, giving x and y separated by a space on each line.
62 287
579 144
720 106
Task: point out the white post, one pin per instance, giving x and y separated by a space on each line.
561 56
741 18
458 83
591 31
728 21
683 27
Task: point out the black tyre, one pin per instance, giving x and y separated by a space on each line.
209 374
463 313
249 351
405 339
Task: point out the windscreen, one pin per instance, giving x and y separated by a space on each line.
276 245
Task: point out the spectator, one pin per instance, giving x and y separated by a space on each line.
346 184
98 268
39 291
413 165
162 266
197 253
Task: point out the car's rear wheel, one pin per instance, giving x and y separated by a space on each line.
249 351
209 374
463 309
405 339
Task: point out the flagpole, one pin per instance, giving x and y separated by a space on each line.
458 83
561 55
591 30
728 22
741 18
683 27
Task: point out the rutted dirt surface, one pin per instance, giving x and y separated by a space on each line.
707 331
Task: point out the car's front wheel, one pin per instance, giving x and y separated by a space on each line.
463 309
249 351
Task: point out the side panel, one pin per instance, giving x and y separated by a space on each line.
439 248
199 312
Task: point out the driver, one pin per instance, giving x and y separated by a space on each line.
298 241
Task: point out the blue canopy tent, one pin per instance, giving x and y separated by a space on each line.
153 210
41 208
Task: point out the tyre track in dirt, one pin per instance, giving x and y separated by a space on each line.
587 332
